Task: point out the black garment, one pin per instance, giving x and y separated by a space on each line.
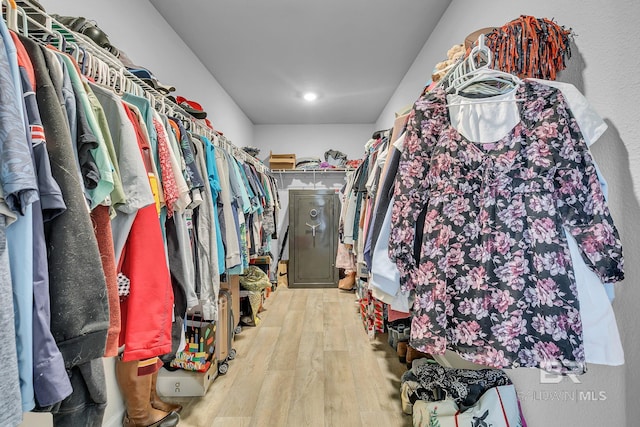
86 406
79 305
385 193
360 187
179 284
464 386
50 382
86 141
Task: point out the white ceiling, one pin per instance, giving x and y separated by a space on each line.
265 53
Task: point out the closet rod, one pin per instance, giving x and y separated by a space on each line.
85 49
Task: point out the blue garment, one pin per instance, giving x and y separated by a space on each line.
51 382
255 184
385 277
16 173
254 193
244 208
100 183
244 201
70 107
214 183
10 402
234 186
245 180
20 191
234 181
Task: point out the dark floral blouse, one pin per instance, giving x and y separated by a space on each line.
478 234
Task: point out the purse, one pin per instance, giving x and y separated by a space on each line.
497 407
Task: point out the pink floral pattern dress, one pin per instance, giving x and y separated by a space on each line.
478 234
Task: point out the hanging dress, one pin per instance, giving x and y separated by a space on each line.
491 271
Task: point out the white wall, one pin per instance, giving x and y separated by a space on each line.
604 67
139 30
312 140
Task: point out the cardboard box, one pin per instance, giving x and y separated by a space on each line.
282 161
181 383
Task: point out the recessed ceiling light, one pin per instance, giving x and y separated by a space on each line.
310 96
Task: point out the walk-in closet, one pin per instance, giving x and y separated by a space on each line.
336 213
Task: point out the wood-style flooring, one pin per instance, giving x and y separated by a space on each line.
308 363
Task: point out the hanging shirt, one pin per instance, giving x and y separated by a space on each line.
18 180
51 382
214 183
146 117
178 166
144 263
208 275
117 196
227 220
602 343
101 193
169 185
79 306
142 135
132 171
494 245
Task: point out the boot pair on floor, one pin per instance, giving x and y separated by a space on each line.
348 282
143 406
408 354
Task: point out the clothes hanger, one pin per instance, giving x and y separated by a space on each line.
102 67
114 80
11 9
36 31
486 81
477 78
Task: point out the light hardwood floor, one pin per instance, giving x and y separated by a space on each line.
308 363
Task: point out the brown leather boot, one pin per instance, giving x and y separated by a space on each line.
413 354
157 403
348 282
136 392
402 351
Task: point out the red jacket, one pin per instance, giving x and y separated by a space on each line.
147 312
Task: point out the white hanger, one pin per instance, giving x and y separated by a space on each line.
470 72
474 75
11 14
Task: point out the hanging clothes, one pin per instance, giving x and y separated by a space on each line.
214 184
493 244
132 171
208 278
602 343
147 311
50 381
77 284
227 220
106 182
19 190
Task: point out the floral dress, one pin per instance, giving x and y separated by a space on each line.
478 234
